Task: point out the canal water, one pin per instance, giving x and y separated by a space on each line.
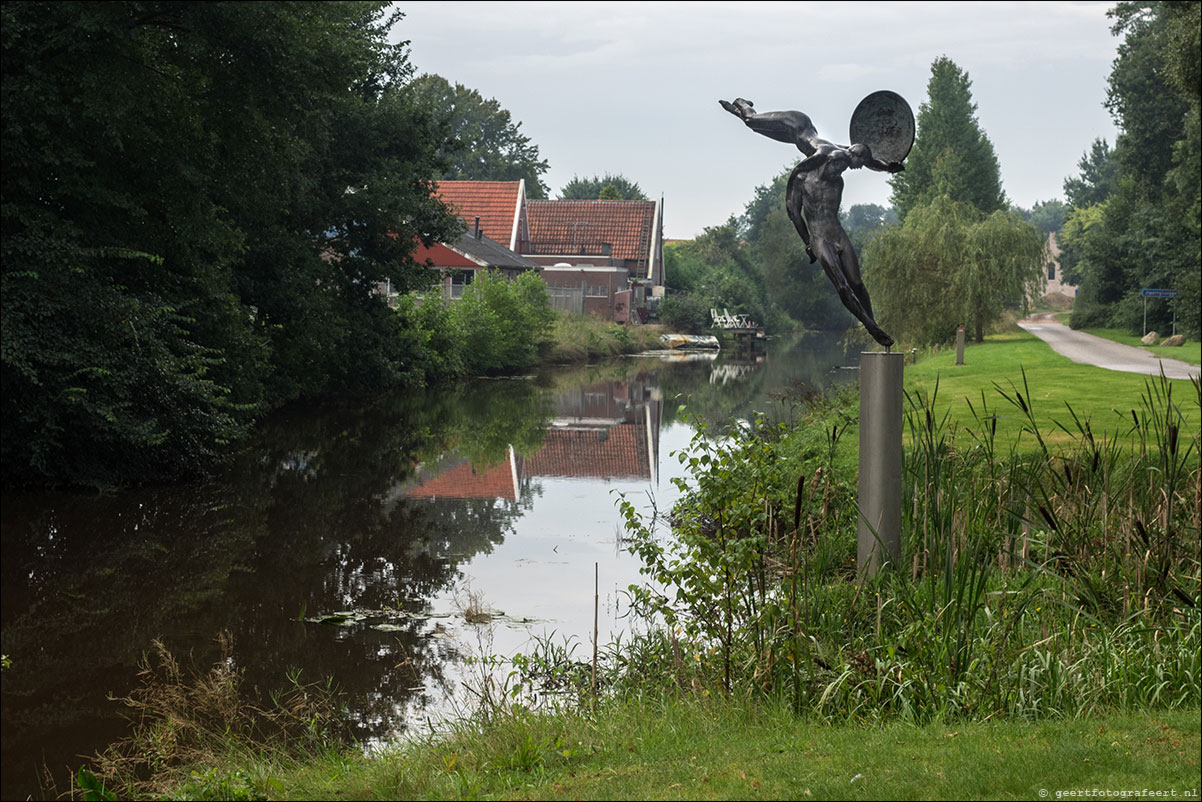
349 540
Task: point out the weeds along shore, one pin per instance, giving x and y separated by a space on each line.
1051 573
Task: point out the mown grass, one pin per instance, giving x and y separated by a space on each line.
1104 397
706 748
1189 352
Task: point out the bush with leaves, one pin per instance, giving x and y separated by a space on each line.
500 325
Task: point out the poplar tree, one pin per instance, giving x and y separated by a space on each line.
952 156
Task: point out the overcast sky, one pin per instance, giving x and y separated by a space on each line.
633 88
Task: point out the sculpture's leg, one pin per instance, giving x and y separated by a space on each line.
831 264
792 127
851 271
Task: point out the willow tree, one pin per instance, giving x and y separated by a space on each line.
949 265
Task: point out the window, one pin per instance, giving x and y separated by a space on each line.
598 291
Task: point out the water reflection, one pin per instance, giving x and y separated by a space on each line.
388 507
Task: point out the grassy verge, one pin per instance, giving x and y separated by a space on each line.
1189 352
698 749
1104 397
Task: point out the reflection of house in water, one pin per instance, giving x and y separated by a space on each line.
460 478
607 430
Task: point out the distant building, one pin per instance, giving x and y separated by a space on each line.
611 253
601 257
460 261
1058 291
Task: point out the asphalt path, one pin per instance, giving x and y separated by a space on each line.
1090 350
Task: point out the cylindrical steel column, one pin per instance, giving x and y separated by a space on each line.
960 346
879 537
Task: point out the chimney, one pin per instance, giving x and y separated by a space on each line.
477 234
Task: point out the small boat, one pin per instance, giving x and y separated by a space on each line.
689 341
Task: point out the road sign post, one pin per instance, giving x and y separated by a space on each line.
1147 293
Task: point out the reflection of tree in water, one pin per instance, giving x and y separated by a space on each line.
788 369
300 522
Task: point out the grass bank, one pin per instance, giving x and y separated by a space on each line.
586 338
1189 352
706 749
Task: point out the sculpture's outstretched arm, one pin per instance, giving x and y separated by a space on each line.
873 163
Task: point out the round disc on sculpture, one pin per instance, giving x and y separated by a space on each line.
885 123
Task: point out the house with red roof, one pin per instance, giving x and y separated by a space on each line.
498 206
601 257
459 261
610 252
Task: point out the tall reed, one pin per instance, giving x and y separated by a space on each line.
1044 576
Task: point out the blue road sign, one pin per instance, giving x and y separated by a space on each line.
1158 293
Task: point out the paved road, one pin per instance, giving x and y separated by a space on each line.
1090 350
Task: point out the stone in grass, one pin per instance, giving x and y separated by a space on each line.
1151 338
1176 341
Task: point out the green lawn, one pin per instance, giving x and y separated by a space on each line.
1104 397
699 749
1190 352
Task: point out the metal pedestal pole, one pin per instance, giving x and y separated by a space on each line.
879 537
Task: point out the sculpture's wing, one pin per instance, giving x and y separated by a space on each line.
884 122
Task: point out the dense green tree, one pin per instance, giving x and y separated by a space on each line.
1048 215
499 324
768 197
611 186
1075 235
1146 105
485 144
1097 178
947 265
1183 48
952 156
1136 224
198 200
863 221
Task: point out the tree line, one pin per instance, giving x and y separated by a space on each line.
1133 209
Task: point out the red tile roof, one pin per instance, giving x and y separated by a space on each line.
468 481
619 452
581 227
494 202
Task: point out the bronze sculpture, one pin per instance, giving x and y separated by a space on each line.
815 187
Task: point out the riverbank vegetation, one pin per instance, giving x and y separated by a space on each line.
1047 602
692 747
